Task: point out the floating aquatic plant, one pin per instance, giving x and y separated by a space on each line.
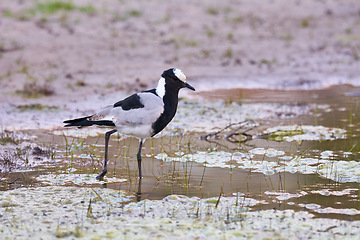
304 133
49 212
339 171
77 179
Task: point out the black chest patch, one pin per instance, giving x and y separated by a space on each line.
131 102
170 106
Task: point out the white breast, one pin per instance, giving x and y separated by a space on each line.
138 122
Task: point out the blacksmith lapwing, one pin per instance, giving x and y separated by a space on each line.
142 115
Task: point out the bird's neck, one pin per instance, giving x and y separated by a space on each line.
160 89
169 94
170 100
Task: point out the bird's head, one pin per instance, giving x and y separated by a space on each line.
176 78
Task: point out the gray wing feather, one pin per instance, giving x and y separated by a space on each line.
153 107
104 114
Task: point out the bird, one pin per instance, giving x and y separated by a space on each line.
141 115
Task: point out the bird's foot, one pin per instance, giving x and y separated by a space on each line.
100 177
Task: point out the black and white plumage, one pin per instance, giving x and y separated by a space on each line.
141 115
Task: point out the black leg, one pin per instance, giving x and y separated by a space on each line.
104 171
139 158
138 194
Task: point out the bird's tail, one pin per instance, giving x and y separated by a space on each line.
85 122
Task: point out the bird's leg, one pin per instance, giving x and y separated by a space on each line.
139 158
104 171
138 194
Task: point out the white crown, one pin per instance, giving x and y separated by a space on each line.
179 74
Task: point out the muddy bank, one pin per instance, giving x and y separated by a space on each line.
78 58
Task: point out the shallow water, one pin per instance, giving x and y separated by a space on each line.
317 171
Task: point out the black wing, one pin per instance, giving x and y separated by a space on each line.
131 102
153 91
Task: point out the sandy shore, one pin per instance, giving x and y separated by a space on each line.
81 57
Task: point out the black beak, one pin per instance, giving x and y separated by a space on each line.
189 86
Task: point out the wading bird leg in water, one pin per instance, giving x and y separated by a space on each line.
107 138
139 158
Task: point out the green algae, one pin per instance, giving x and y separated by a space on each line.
303 133
281 135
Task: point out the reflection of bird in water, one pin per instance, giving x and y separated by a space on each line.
141 115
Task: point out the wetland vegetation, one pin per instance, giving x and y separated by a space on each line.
297 175
267 148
